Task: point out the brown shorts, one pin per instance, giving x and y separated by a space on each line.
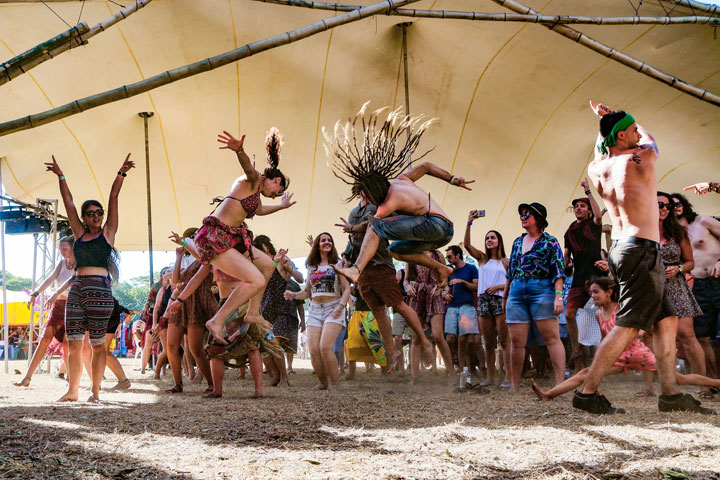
577 297
379 287
638 270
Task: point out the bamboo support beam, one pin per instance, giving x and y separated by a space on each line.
211 63
505 17
627 60
703 7
75 37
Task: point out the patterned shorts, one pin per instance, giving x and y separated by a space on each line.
215 237
489 305
88 308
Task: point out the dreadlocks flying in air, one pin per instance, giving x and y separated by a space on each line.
374 169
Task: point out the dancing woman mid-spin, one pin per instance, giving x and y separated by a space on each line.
90 301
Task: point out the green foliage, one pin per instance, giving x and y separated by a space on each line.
17 283
133 293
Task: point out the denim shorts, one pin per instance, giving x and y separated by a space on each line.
530 299
461 320
414 234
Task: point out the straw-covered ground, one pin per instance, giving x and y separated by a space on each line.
369 429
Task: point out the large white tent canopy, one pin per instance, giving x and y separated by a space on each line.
512 99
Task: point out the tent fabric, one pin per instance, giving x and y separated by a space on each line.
512 100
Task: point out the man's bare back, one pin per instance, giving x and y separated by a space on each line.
406 198
627 183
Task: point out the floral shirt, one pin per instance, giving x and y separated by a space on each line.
543 261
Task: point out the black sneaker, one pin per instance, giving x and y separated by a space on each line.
682 402
594 403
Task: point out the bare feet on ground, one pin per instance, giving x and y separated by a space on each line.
283 384
68 397
122 385
427 354
351 273
93 398
320 387
25 382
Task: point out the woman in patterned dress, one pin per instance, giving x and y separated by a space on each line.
677 257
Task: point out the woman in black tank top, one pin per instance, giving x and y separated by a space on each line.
95 266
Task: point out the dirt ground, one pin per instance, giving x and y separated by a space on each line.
371 428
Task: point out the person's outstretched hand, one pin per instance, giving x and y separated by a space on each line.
229 142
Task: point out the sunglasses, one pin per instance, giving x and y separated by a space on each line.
525 216
668 205
95 213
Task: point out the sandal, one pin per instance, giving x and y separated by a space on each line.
644 394
25 382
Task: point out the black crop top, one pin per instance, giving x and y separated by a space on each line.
92 253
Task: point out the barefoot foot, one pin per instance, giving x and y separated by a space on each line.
352 272
175 389
25 382
213 394
393 360
93 398
539 391
122 385
68 397
260 320
216 330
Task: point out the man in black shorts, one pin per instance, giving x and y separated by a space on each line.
623 173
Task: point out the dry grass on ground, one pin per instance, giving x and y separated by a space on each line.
370 429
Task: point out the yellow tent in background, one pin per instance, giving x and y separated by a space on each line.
18 312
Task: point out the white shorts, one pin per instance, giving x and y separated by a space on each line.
320 314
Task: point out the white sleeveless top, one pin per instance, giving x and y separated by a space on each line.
63 275
491 273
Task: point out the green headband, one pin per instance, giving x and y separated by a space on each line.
611 139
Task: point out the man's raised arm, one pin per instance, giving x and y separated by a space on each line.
427 168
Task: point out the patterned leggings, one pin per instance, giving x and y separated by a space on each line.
89 306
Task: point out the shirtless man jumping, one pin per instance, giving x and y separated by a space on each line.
623 173
405 212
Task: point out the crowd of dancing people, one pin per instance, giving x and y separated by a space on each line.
630 295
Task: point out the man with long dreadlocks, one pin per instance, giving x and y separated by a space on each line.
418 223
405 212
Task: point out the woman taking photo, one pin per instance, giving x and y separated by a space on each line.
533 291
493 266
90 301
55 326
329 293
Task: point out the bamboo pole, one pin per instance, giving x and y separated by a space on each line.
75 37
505 17
693 5
619 57
211 63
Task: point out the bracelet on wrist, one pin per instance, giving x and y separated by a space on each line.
183 243
558 292
173 299
122 174
61 177
469 224
451 178
587 192
680 269
294 296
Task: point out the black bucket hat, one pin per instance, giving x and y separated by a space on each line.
538 210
